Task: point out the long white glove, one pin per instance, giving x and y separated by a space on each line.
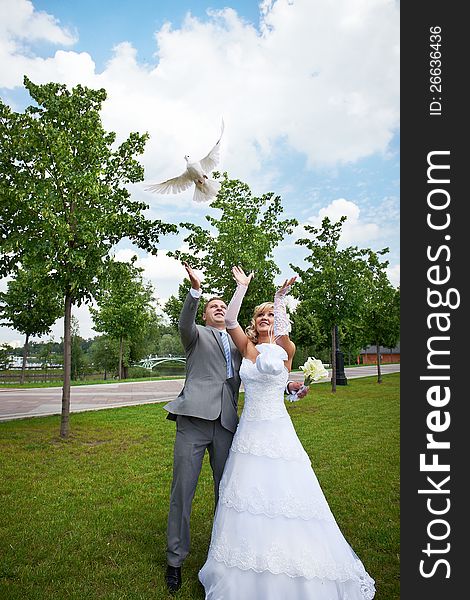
282 324
231 314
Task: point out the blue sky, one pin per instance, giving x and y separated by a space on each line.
308 89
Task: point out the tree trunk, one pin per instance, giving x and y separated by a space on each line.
25 356
379 372
121 346
64 422
333 359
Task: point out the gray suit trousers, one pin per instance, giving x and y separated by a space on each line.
193 436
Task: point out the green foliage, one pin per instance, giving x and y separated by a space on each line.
333 285
382 306
63 197
352 337
170 345
245 234
309 336
146 340
48 348
62 188
46 353
174 305
6 351
307 330
124 303
381 309
104 354
79 362
31 304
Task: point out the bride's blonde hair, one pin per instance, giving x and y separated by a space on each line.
250 331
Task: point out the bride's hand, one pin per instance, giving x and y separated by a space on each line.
240 277
285 287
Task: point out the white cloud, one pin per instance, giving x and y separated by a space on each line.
164 272
20 21
322 76
354 231
20 26
393 273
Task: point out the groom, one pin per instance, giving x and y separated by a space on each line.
205 413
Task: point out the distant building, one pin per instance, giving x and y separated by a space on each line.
16 362
368 356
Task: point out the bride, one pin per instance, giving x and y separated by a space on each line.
274 536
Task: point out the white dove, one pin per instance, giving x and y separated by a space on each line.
205 188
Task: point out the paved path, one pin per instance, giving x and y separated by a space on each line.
18 403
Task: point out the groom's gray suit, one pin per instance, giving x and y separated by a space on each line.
206 417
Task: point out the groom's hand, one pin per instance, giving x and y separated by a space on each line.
294 386
193 278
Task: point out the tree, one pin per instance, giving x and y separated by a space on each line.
63 198
334 285
104 353
6 352
309 336
146 340
170 345
245 234
31 305
352 335
174 304
124 305
77 356
46 355
381 310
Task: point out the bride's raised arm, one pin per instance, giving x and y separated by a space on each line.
282 326
231 315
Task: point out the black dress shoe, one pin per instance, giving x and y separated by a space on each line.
173 578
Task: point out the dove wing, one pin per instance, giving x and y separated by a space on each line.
209 162
172 186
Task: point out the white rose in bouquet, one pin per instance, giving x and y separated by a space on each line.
313 371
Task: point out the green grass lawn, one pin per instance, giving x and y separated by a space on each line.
86 518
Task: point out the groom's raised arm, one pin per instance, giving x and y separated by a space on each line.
187 321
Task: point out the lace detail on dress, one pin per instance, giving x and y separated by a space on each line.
276 560
264 393
262 411
264 401
368 587
248 442
256 501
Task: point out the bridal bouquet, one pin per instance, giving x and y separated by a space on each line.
313 371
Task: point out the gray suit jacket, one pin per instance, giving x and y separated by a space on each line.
207 392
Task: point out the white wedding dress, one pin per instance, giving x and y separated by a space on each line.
274 536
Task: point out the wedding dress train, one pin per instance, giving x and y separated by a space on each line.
274 536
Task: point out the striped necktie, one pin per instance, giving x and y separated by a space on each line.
228 357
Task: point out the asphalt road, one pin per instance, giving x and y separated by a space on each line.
18 403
